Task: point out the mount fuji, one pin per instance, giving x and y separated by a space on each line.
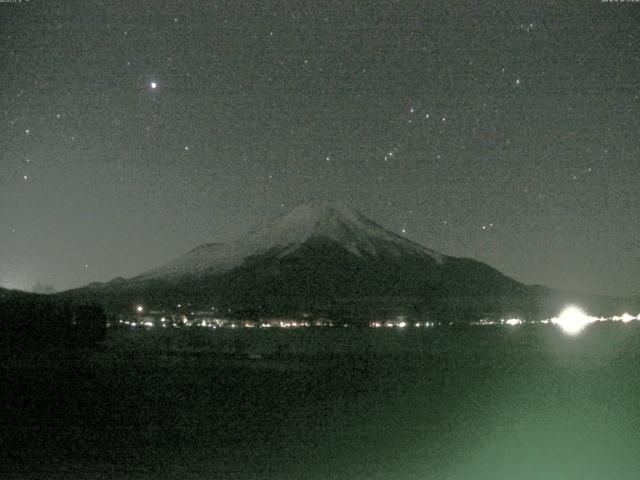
324 258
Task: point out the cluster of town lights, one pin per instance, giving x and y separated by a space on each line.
572 320
399 322
150 318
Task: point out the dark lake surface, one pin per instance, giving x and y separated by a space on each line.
524 402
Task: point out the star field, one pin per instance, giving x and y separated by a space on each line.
506 133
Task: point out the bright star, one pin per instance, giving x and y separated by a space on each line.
154 85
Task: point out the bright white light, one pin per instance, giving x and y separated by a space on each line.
139 309
402 324
154 85
513 321
572 320
626 318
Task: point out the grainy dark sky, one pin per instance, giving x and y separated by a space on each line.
504 131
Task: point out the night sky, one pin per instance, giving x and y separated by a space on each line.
133 131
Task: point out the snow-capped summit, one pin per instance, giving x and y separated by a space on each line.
328 221
334 221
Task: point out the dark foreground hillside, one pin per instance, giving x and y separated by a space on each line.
32 321
475 403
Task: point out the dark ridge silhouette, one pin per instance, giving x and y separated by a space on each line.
34 320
